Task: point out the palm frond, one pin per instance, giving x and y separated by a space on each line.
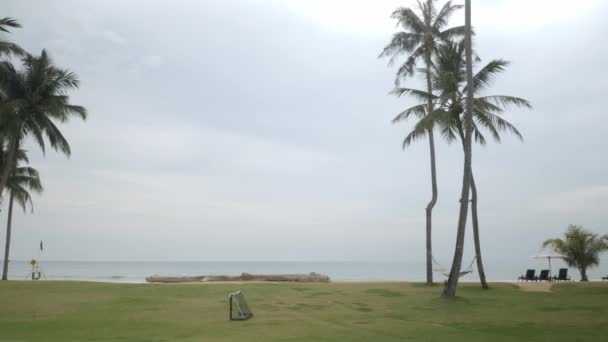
22 197
423 126
505 101
447 127
421 95
418 111
22 179
498 124
55 137
444 15
408 67
408 20
421 129
8 22
486 122
38 136
401 43
484 77
479 137
7 48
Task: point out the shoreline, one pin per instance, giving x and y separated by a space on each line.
520 284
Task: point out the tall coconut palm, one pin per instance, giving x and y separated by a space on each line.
32 101
21 179
7 48
580 248
486 111
452 283
422 33
449 82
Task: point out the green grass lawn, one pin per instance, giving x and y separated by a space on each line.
77 311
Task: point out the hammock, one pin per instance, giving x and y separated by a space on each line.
446 272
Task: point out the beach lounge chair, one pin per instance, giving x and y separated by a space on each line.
563 275
544 276
529 276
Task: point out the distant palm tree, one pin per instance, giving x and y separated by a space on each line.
21 179
32 100
419 39
449 83
580 248
8 48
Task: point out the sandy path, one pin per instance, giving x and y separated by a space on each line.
534 286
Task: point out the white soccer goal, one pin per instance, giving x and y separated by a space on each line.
239 310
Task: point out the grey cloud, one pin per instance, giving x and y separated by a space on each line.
217 119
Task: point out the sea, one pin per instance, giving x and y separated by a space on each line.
137 271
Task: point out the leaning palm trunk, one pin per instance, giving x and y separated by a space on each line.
8 238
431 205
452 283
480 270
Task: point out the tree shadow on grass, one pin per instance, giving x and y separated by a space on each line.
425 285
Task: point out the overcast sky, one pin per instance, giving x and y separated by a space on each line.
231 130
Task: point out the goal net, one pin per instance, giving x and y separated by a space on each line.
239 310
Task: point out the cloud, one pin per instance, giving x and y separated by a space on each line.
361 16
114 37
588 199
528 16
151 61
202 129
373 17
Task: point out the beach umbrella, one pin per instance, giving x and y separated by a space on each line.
548 256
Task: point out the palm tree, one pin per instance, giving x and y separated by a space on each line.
486 114
420 37
8 48
449 82
21 179
452 283
580 248
31 101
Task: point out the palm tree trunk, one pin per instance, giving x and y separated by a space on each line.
480 270
8 238
431 205
452 283
6 168
583 271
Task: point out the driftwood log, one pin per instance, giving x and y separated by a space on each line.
296 278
